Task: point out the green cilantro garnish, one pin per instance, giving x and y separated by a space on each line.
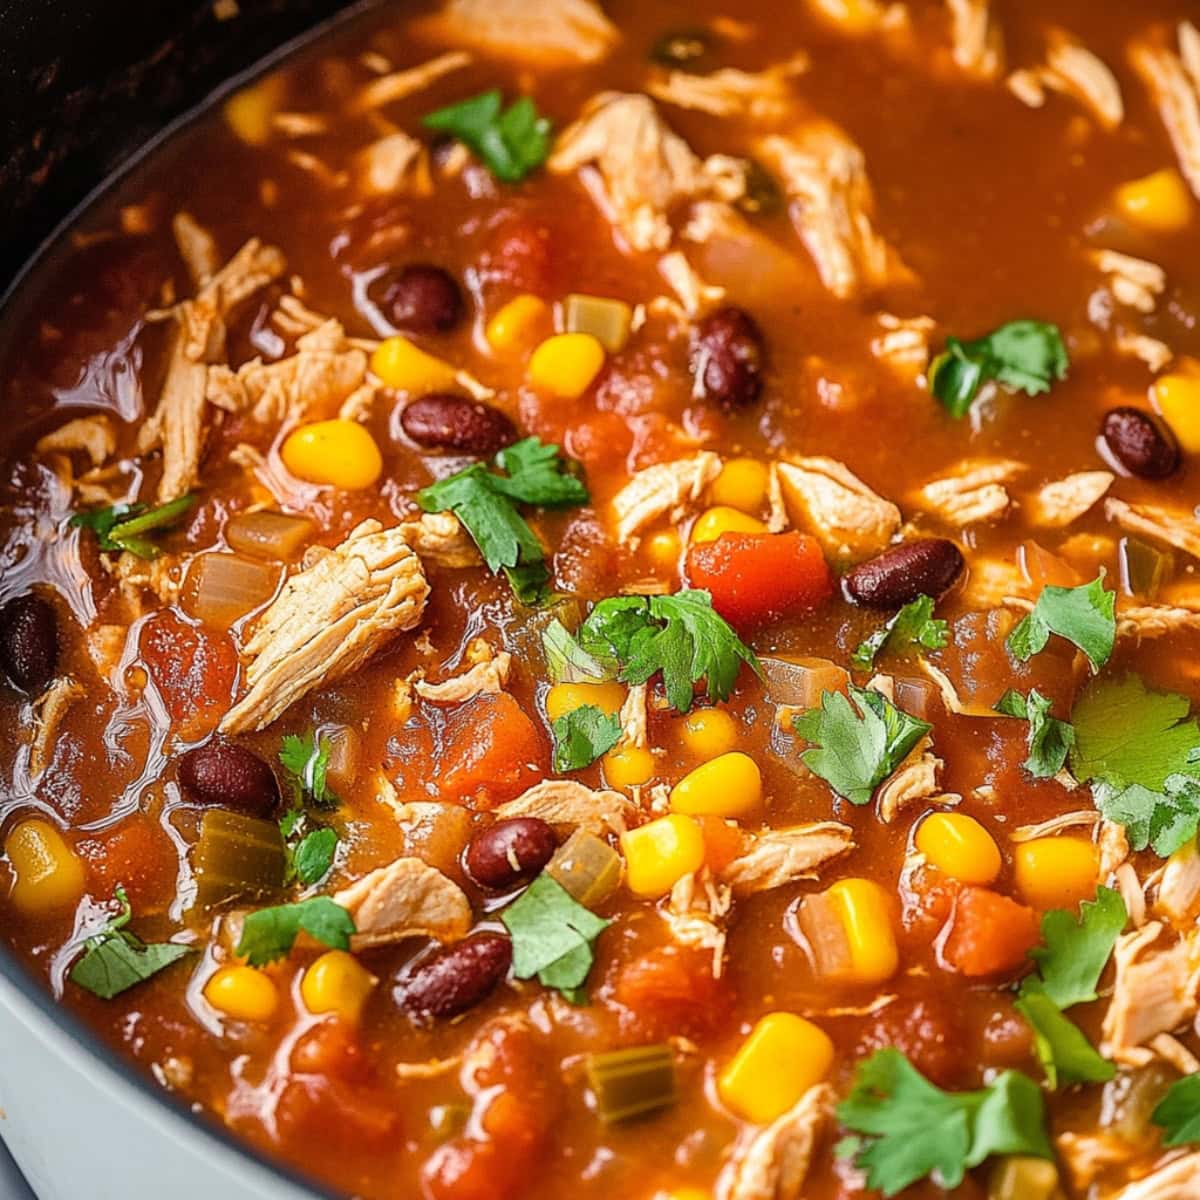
1050 740
310 851
115 959
125 526
1069 968
912 1129
855 747
1178 1112
306 760
1085 616
552 936
582 735
680 635
311 859
512 141
567 661
270 933
1163 820
486 504
913 625
1025 356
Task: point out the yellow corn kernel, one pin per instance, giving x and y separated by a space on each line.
742 484
1159 202
337 983
708 732
781 1059
566 364
407 368
249 112
660 853
959 846
339 453
628 766
865 916
242 993
663 549
1056 872
47 872
516 324
684 1193
1177 397
711 524
729 785
565 698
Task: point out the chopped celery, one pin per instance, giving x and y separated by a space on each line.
608 321
586 867
1143 568
238 858
1024 1179
628 1083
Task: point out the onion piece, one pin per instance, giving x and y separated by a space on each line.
801 682
587 867
220 589
269 534
608 321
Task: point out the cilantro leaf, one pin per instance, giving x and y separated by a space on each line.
125 526
855 747
1085 616
306 760
1024 356
1061 1046
1050 740
512 142
536 475
1178 1112
312 858
114 960
552 936
1163 820
913 625
582 735
567 661
913 1129
680 635
270 933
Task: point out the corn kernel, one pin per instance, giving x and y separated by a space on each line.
708 732
660 853
249 112
1159 202
566 364
337 983
663 549
1177 398
742 484
959 846
729 785
242 993
47 872
565 698
1056 872
684 1193
516 324
407 368
711 524
864 913
628 766
339 453
781 1059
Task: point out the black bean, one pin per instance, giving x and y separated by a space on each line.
226 774
1140 442
29 642
456 978
901 573
509 851
727 359
454 423
420 298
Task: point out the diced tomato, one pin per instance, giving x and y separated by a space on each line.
491 751
335 1113
755 577
518 258
465 1169
989 933
332 1048
600 441
669 989
723 842
137 855
927 1031
192 668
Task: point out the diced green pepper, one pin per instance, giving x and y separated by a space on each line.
587 868
628 1083
238 858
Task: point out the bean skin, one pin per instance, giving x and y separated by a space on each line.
224 774
727 359
29 642
509 852
456 978
1140 442
929 567
421 299
454 423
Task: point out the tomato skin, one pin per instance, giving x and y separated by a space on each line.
492 751
671 988
193 669
755 577
136 855
988 933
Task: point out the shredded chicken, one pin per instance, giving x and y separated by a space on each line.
1178 1180
845 516
633 717
916 778
1175 527
992 582
664 488
904 343
1073 70
396 85
93 436
407 898
566 802
1174 82
440 538
1087 1156
1155 354
106 648
694 912
763 96
832 207
1155 621
694 294
393 165
862 16
771 1163
975 491
197 248
1132 281
978 45
1065 500
484 678
1082 818
779 856
1179 885
328 620
48 712
162 576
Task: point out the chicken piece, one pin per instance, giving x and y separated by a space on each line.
904 344
1155 354
978 44
440 538
394 165
486 677
845 516
664 488
1132 281
162 577
634 717
1062 501
763 96
1175 527
1155 621
397 85
1177 1180
407 898
197 248
915 779
695 912
695 295
780 856
1179 885
566 802
862 16
1080 818
1174 82
1072 70
93 436
1087 1156
48 712
975 492
328 620
106 648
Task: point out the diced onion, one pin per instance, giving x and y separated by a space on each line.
270 535
608 321
802 682
822 928
587 867
221 589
